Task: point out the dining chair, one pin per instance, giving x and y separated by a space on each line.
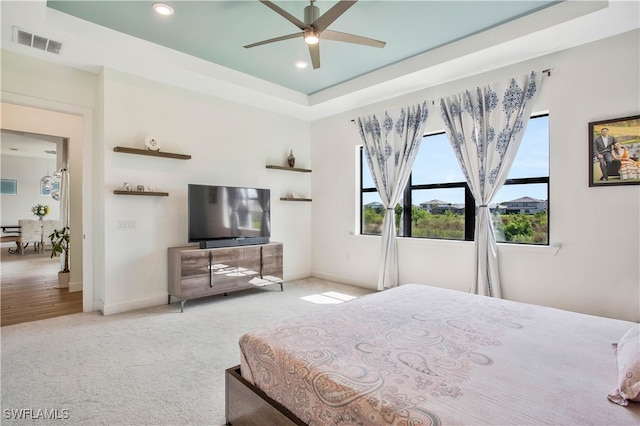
30 232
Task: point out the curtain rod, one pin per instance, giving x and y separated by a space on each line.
545 71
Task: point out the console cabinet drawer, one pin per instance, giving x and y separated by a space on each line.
272 261
194 264
191 288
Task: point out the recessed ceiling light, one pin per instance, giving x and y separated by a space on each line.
163 9
301 64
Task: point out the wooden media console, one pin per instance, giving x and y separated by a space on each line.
196 272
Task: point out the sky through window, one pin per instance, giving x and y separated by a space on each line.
436 163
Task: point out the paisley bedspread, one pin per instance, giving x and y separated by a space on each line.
421 355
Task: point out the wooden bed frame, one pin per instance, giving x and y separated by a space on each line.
246 405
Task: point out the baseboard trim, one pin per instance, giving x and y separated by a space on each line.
99 305
116 308
161 299
76 286
340 279
293 277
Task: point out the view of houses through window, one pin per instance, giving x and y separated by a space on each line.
437 202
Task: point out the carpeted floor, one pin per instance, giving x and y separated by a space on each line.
153 366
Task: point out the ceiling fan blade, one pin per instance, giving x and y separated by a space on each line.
314 51
351 38
289 17
273 40
332 14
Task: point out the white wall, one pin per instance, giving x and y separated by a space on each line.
27 171
230 145
47 99
593 264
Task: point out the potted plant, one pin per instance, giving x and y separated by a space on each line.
60 245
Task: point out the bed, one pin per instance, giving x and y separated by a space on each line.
421 355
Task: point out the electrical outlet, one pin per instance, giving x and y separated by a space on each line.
126 225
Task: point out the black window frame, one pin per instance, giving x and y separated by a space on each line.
469 200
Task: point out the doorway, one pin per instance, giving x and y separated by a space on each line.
22 113
29 283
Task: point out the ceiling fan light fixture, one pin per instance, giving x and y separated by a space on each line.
163 9
311 36
301 64
315 24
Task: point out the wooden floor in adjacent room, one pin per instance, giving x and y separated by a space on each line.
28 290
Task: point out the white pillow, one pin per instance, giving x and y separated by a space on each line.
628 359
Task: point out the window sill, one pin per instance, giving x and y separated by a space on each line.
550 250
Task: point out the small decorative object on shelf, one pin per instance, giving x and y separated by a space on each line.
129 189
291 159
152 143
292 196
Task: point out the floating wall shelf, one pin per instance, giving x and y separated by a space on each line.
294 199
152 194
291 169
149 153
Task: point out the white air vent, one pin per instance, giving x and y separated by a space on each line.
28 39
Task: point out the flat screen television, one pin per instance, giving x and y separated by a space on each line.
221 216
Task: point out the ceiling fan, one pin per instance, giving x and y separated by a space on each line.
315 26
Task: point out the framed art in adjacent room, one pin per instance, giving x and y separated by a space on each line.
9 187
614 152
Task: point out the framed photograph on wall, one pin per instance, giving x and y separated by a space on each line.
614 152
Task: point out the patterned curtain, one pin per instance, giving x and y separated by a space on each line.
391 145
65 206
485 126
234 198
264 197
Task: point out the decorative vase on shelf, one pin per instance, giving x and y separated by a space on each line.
291 159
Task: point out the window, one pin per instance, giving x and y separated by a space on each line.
437 202
47 192
9 187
